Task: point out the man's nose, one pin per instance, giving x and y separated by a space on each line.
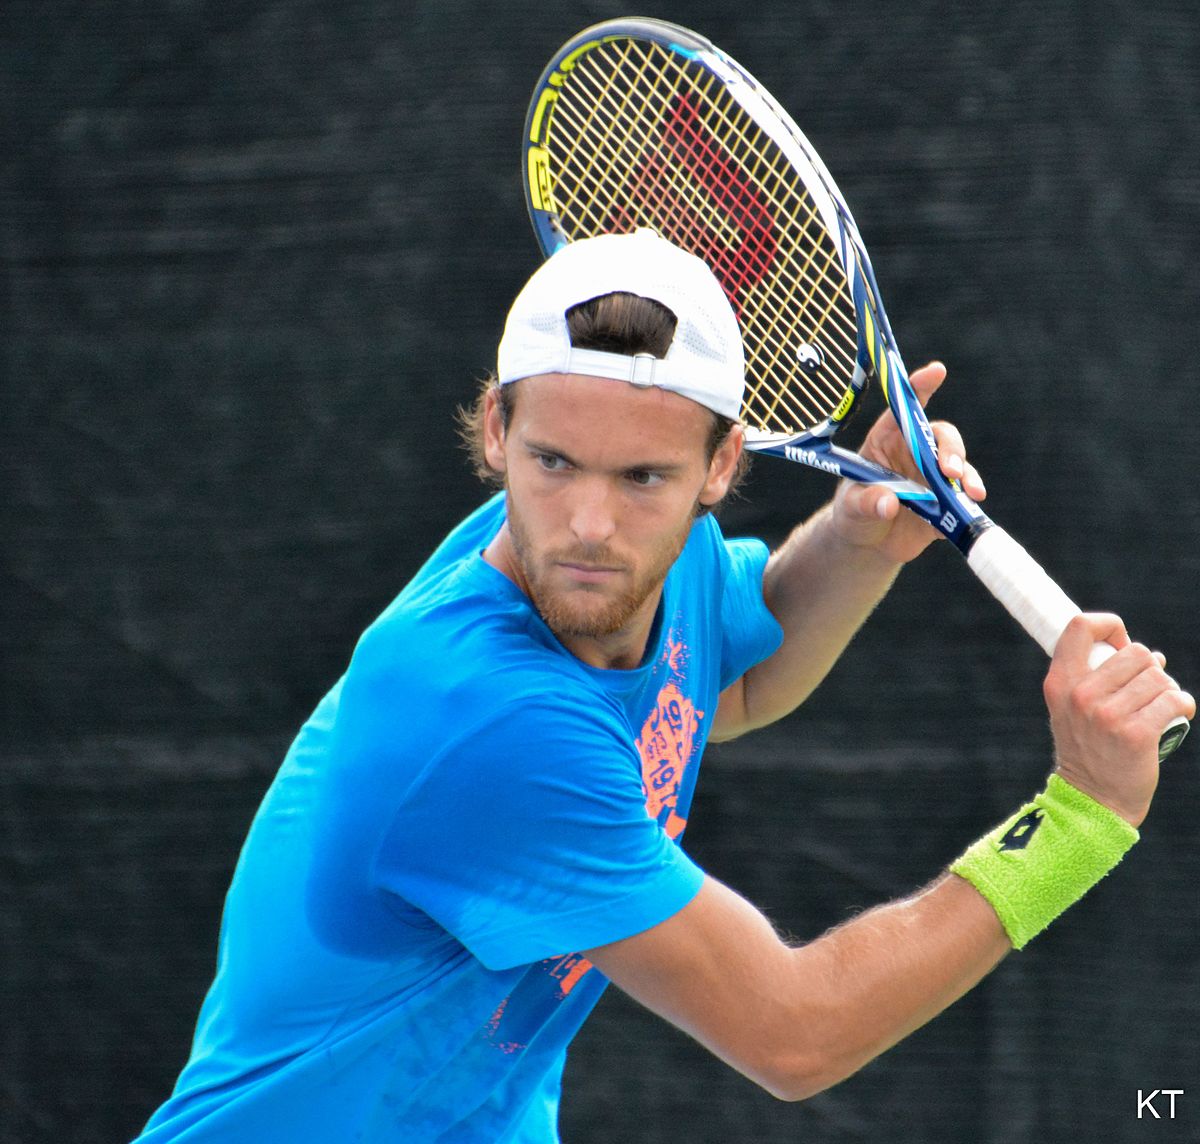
593 515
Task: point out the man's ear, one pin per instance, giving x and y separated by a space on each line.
493 431
723 467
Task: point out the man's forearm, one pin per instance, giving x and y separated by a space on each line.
797 1020
894 969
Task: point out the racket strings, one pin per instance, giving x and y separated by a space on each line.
667 183
640 138
668 190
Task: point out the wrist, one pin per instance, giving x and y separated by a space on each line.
1045 857
1135 816
855 539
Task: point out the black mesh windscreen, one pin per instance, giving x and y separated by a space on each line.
254 257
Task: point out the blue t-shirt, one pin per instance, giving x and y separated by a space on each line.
468 806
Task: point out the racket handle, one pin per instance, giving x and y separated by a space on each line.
1040 606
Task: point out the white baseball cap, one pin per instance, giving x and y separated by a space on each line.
705 362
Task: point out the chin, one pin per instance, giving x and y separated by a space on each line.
574 619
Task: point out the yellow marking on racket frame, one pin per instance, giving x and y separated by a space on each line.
844 407
557 79
876 351
545 103
541 188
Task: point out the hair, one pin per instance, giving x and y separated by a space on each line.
616 323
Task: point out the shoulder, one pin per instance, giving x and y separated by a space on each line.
709 553
464 659
471 627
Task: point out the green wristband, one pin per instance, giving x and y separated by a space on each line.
1046 857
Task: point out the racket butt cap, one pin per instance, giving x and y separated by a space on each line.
1175 734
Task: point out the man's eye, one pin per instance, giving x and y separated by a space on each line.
644 478
551 463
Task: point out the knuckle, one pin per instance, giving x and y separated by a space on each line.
1108 719
1140 653
1079 697
1053 687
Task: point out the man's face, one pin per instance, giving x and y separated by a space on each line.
603 482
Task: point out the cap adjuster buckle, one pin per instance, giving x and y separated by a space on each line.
641 370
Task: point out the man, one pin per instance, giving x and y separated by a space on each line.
478 827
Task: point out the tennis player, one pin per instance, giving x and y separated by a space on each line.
480 824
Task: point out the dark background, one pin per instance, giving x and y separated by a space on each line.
253 257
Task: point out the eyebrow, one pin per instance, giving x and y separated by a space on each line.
664 467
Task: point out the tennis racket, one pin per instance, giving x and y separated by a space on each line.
637 122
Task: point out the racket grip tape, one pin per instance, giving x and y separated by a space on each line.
1040 606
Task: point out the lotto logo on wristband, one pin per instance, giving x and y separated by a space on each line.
1048 855
1018 835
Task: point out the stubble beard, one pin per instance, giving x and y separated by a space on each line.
584 614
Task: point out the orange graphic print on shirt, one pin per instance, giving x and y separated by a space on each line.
665 746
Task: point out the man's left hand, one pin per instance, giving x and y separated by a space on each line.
872 517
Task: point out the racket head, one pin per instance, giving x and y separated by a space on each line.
638 122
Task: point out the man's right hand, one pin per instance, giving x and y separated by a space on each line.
1107 721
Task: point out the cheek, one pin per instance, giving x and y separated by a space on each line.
537 511
532 492
664 529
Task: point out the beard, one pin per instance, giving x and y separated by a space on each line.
589 611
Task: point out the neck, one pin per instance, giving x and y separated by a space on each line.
619 651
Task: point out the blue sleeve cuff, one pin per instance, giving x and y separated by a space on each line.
658 899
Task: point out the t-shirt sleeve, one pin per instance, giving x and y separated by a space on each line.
527 837
750 633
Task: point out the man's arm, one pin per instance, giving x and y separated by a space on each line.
797 1020
826 578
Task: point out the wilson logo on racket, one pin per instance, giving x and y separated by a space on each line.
811 457
740 252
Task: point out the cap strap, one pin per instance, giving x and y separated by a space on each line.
637 369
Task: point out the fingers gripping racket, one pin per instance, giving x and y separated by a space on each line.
642 123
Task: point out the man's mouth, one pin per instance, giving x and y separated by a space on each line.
589 573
